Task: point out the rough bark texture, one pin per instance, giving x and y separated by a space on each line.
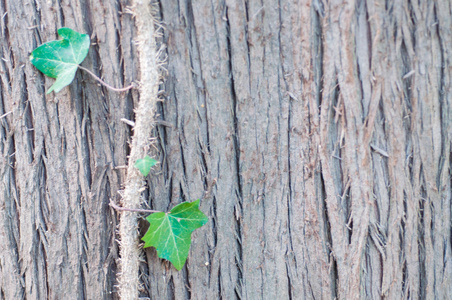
60 152
316 133
321 132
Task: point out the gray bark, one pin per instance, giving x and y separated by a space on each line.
60 152
317 135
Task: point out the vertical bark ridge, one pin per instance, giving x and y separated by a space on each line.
59 154
316 134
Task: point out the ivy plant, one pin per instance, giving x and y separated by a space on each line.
60 59
145 164
170 232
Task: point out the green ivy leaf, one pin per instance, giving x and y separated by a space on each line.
145 165
170 233
60 59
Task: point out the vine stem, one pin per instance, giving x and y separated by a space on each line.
106 84
149 61
119 208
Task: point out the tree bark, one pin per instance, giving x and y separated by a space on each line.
62 153
317 135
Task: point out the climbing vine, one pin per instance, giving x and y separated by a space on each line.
169 232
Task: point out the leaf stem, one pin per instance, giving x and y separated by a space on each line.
150 211
104 83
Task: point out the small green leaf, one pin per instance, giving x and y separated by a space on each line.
60 59
145 165
170 233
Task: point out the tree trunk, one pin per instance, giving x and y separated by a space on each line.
62 153
317 135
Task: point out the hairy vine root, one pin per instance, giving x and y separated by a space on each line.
149 85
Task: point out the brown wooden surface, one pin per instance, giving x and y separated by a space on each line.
59 152
317 135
